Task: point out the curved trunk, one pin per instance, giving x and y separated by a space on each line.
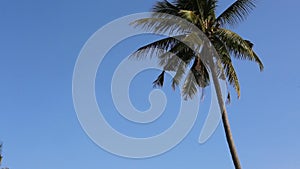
225 120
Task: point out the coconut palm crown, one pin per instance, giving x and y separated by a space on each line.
228 44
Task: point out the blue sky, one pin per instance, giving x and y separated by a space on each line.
40 42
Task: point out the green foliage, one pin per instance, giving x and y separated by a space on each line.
237 12
175 55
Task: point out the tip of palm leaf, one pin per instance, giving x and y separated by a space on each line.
238 94
173 87
261 68
159 82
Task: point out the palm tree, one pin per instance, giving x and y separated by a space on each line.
228 45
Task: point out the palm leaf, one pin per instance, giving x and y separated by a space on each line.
239 47
157 48
229 70
159 82
188 5
200 72
210 9
171 59
190 85
161 23
231 75
166 7
257 59
237 12
179 74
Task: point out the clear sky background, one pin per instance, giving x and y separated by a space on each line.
39 45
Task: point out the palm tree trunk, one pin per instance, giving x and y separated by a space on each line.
225 120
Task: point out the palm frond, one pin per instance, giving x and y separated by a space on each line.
198 11
171 59
159 82
200 72
239 47
190 85
180 72
210 9
237 12
166 7
194 40
229 70
161 23
170 63
188 5
231 74
257 59
157 48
